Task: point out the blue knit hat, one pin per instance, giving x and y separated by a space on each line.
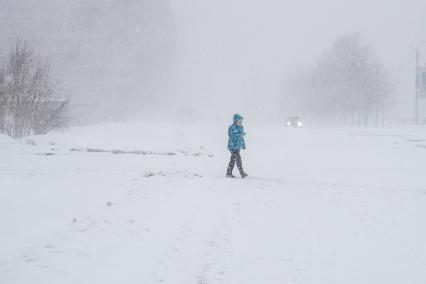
237 117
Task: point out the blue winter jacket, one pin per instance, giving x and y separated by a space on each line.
236 136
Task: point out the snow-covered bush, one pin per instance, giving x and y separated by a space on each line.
28 100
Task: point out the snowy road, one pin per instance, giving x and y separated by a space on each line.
321 205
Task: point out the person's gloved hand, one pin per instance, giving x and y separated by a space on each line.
244 147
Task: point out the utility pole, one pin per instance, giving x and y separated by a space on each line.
416 104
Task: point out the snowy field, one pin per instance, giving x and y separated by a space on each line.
140 203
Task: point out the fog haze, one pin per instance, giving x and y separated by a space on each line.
207 58
245 48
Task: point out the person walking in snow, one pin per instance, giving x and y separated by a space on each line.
235 143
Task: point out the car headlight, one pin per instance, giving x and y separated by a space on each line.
288 123
299 123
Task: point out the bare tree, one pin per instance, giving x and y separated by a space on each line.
28 100
349 84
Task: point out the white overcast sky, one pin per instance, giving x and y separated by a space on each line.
247 45
235 51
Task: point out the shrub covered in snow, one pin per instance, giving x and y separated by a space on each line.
28 100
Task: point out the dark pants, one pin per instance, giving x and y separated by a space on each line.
235 157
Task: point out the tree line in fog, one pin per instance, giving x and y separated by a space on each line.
348 85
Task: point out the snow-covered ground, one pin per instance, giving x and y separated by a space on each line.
145 203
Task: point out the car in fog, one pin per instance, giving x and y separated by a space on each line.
293 121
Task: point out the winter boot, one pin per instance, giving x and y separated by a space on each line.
243 175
